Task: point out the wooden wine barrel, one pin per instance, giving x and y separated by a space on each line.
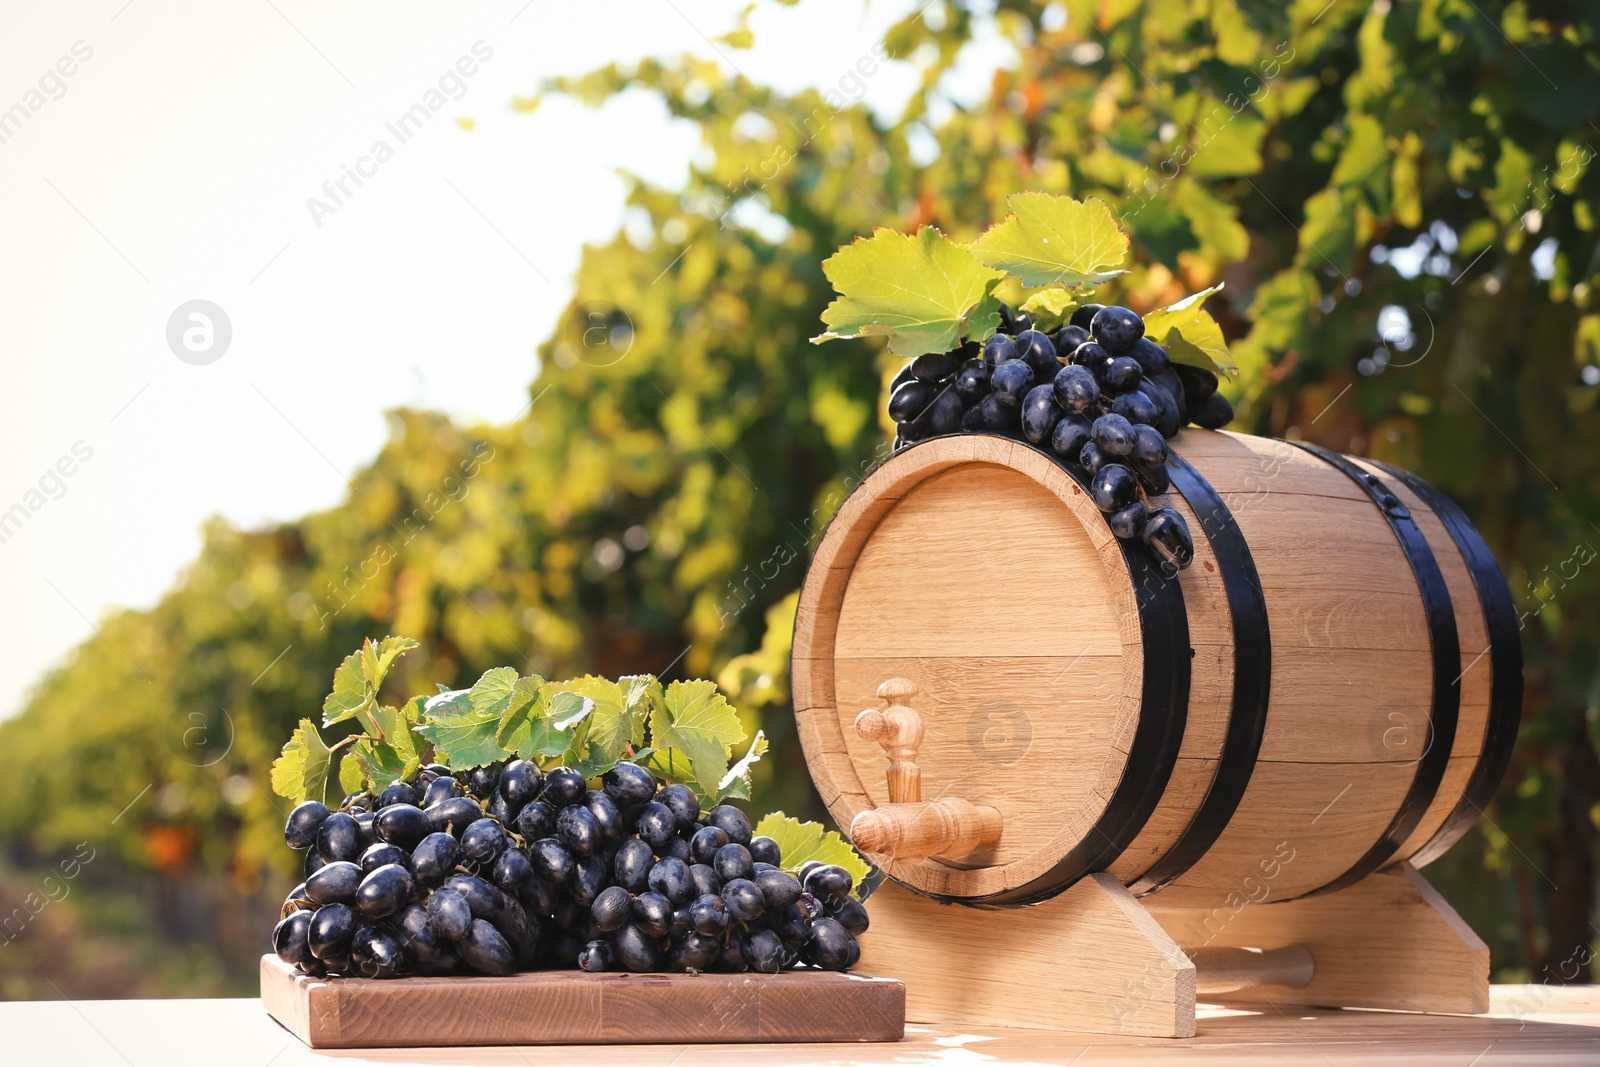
1333 685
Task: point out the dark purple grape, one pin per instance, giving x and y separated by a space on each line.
732 861
612 909
628 784
637 951
1012 320
670 878
1091 458
421 936
1153 359
607 816
485 950
564 786
1122 374
677 849
1040 413
763 951
330 931
379 853
1169 411
681 801
705 879
397 793
944 414
902 376
1128 521
550 861
709 915
706 841
440 789
972 421
1114 487
1011 382
537 819
588 879
483 840
743 899
693 951
376 953
997 350
1070 435
789 924
304 823
290 938
731 821
520 782
339 837
384 892
597 957
365 821
1076 389
434 859
1113 434
850 914
482 781
513 871
402 825
827 880
336 883
1091 357
1198 383
1154 477
1116 328
731 958
908 402
1168 537
972 382
778 888
577 830
828 945
1067 339
631 865
1039 353
1083 315
996 415
652 913
1137 408
765 850
453 814
656 824
1149 446
1212 413
935 366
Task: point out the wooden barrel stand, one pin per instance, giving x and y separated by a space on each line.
1146 786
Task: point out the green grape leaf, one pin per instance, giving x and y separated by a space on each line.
736 783
569 709
670 764
1051 308
695 718
492 694
801 841
1055 240
304 768
352 776
614 724
376 659
924 293
1190 334
528 706
350 693
641 694
381 763
463 735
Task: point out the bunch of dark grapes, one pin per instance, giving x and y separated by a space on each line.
506 869
1096 392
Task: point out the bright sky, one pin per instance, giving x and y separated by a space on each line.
167 154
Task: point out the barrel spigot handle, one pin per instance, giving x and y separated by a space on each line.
906 828
898 729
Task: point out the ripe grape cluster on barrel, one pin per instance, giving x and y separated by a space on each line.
506 868
1096 392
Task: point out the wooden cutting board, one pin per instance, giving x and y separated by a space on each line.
575 1008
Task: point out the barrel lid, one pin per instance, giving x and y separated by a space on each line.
978 568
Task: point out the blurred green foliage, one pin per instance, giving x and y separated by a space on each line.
1399 196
